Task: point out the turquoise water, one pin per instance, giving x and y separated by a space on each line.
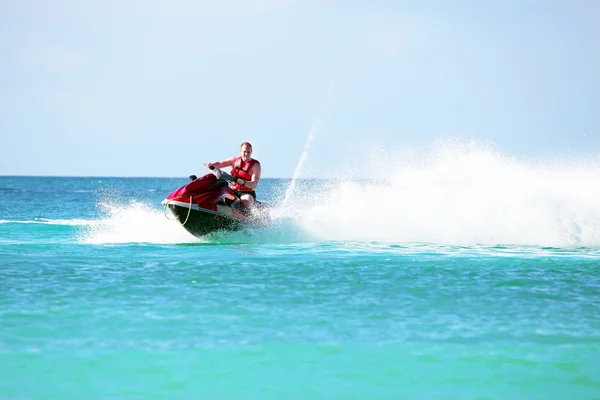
345 296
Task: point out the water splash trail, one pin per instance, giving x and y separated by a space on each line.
464 194
315 126
135 222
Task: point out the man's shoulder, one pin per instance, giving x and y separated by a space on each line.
255 168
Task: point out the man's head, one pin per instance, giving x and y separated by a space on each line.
246 150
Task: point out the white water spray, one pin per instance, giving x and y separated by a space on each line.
292 186
134 222
454 194
459 194
316 125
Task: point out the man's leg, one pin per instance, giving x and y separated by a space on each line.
247 201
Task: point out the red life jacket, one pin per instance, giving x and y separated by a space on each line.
241 170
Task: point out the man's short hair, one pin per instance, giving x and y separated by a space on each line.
247 143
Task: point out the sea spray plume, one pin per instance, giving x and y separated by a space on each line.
310 195
315 126
464 194
298 169
133 222
136 222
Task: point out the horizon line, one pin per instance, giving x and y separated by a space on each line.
126 176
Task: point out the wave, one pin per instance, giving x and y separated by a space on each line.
46 221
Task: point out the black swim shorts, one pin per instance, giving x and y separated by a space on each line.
251 193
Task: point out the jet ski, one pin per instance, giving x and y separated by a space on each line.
207 204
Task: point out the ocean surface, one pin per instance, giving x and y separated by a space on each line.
431 287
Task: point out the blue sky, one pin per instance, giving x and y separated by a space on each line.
157 87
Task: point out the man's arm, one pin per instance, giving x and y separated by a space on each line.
255 174
221 164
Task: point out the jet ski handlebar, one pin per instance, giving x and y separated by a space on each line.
222 176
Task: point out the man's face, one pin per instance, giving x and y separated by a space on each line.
246 153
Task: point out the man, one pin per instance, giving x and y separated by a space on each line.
246 174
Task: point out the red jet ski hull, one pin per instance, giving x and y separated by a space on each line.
203 206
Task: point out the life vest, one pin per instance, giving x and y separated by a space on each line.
241 170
